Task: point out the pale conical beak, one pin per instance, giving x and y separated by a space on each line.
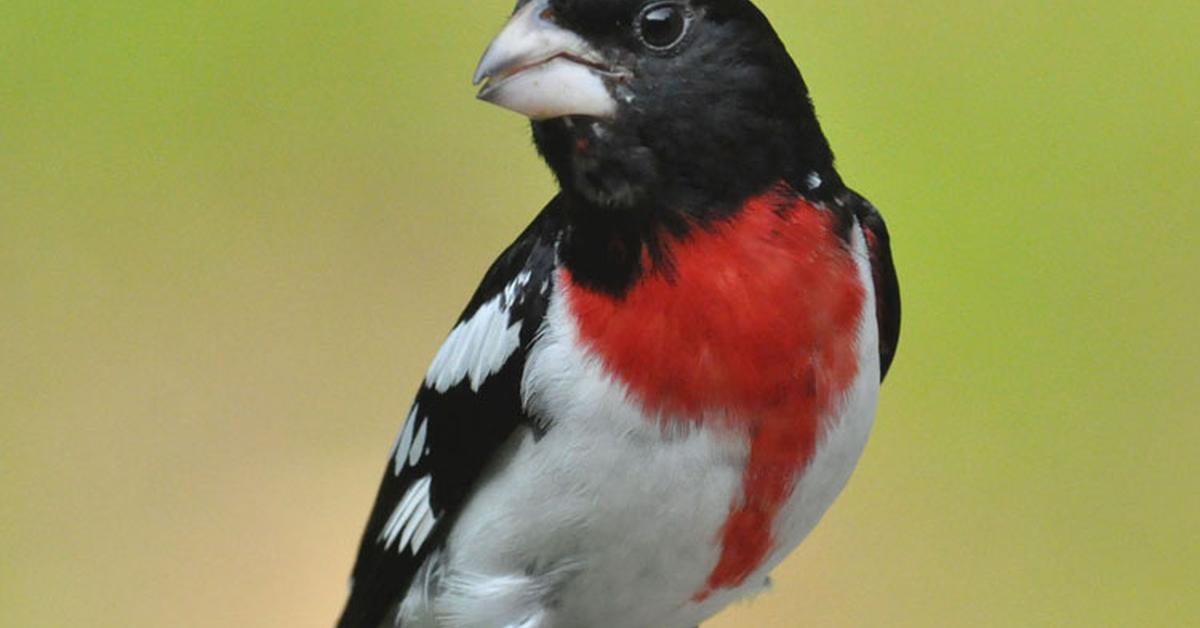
542 70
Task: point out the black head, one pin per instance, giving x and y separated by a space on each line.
707 107
656 115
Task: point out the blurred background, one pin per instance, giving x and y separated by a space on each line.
233 234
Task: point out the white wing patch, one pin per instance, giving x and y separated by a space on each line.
410 445
400 451
418 444
480 345
411 521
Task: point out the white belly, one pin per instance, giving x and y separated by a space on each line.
610 520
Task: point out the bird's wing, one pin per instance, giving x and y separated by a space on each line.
467 407
887 288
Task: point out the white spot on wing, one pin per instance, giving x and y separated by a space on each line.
480 345
513 290
418 443
420 518
403 511
404 441
423 530
412 515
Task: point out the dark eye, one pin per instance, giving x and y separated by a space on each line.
661 26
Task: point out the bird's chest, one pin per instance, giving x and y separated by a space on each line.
693 404
756 316
752 324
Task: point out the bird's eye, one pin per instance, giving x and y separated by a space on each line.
661 26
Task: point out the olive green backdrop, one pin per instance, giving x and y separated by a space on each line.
232 235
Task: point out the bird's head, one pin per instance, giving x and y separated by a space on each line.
689 104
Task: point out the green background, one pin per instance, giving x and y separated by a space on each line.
232 235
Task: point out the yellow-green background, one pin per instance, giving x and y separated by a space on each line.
232 234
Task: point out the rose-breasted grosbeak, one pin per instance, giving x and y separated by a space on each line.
662 385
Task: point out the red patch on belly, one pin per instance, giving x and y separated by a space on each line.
759 322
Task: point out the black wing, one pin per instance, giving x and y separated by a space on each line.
887 288
455 426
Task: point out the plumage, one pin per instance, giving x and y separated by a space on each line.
662 384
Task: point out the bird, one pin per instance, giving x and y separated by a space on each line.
659 388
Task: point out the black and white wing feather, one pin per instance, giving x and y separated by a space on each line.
467 407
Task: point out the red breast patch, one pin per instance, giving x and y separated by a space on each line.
758 319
